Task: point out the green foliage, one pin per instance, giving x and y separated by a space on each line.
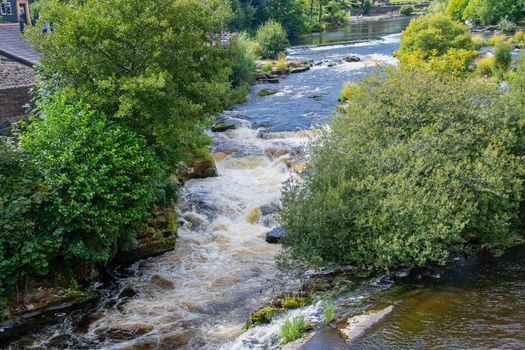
242 58
367 6
502 57
346 93
419 168
437 6
271 36
25 245
289 13
518 39
485 66
261 316
433 35
407 10
478 42
292 330
294 302
456 8
100 178
281 64
267 67
236 96
488 12
157 76
517 103
328 313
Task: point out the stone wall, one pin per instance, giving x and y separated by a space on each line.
16 80
12 102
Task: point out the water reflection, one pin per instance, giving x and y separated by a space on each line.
356 31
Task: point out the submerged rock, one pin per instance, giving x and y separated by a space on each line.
274 236
329 339
267 92
357 325
316 97
162 282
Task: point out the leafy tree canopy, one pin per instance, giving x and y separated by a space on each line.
418 168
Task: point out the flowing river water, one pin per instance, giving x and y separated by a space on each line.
200 295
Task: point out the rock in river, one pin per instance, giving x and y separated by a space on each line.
274 236
352 58
266 92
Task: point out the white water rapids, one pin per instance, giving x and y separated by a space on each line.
200 295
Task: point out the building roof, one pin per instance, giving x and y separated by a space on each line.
15 47
14 74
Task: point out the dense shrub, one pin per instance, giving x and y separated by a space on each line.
433 35
502 57
407 10
26 247
242 58
100 177
271 36
418 168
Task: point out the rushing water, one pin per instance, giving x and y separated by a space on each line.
200 295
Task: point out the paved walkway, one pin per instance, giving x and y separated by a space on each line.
14 46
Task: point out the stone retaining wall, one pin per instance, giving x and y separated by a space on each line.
12 106
16 80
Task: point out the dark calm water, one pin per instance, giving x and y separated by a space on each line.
477 305
356 30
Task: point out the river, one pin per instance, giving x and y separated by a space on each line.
200 295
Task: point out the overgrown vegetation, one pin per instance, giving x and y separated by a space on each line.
415 171
425 161
117 115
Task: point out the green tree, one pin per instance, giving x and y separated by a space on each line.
149 68
272 38
420 167
26 247
100 177
290 13
492 11
433 35
456 9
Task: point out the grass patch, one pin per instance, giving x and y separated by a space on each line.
328 313
292 329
